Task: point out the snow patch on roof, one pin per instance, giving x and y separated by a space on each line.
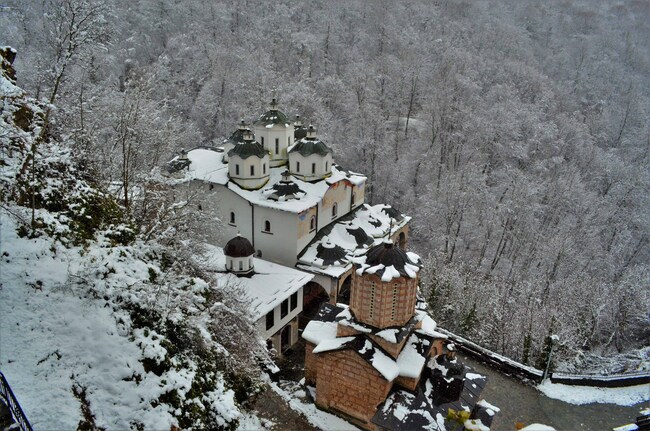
317 331
332 344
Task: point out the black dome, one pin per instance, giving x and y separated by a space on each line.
388 254
239 247
331 253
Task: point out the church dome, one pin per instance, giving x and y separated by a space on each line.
248 148
235 139
272 117
386 255
284 189
310 145
331 254
310 159
239 247
299 131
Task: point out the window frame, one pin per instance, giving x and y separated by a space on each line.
293 301
284 308
270 318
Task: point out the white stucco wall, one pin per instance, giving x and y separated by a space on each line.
244 178
323 166
270 134
278 321
280 244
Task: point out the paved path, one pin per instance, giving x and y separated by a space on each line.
523 403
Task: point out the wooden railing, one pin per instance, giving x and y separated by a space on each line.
11 401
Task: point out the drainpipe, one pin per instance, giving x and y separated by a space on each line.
252 223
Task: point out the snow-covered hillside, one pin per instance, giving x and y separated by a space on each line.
98 328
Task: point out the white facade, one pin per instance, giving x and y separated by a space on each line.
275 139
311 168
250 173
240 264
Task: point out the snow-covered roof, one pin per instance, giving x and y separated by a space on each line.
207 165
387 262
427 406
353 234
265 289
321 331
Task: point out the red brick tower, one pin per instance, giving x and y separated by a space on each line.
384 288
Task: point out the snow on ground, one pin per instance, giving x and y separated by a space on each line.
53 340
65 343
295 396
579 395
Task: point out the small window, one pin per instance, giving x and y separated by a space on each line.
313 168
277 145
312 223
211 186
236 169
288 140
252 170
264 169
241 265
200 207
298 167
270 320
354 198
267 226
250 262
327 166
335 209
262 140
284 309
232 217
294 301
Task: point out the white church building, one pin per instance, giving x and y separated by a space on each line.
275 183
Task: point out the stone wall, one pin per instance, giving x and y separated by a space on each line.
379 313
348 384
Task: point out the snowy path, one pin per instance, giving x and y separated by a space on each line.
522 403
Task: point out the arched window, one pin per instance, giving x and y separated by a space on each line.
241 265
335 209
277 145
252 170
327 166
232 217
236 169
264 169
354 199
288 140
313 168
312 223
298 167
267 226
262 140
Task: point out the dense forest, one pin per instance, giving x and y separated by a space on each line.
515 133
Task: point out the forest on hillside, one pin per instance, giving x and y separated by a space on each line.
515 133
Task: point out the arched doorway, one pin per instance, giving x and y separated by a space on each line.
313 297
344 291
